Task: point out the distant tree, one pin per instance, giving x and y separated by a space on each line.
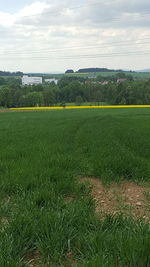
34 99
63 82
129 77
99 97
77 90
122 101
13 80
7 73
78 100
121 75
69 71
88 70
2 81
74 90
37 88
5 97
16 96
147 98
49 97
100 78
23 101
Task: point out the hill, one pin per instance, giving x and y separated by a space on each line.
88 70
145 70
97 70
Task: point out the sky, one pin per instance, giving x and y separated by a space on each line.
55 35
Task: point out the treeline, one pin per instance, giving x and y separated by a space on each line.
75 91
8 73
11 80
93 70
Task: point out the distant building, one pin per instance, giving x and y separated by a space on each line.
26 80
51 80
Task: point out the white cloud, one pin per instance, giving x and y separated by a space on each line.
6 19
44 26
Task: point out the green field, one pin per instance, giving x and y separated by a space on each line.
46 215
136 75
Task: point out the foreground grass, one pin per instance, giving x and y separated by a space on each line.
45 211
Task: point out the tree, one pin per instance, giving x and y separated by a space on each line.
37 88
100 78
79 100
34 99
69 71
129 77
5 97
121 75
2 81
49 97
13 81
16 95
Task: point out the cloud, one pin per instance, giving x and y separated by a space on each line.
41 27
6 19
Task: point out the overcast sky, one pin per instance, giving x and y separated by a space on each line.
55 35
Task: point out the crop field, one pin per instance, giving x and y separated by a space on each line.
136 75
75 188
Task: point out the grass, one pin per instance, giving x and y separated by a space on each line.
42 154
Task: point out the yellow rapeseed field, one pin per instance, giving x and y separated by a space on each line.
82 107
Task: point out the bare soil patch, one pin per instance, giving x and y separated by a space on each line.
33 259
127 197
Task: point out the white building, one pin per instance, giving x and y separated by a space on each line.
51 80
26 80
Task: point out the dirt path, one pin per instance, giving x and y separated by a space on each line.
127 197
